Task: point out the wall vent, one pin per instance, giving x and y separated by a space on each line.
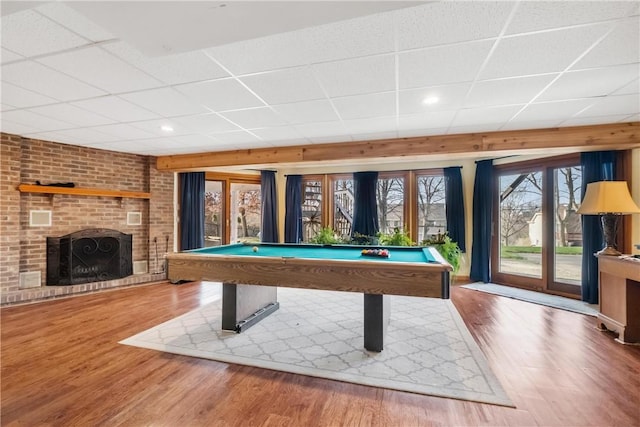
134 218
140 267
40 218
31 279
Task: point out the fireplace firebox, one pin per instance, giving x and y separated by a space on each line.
86 256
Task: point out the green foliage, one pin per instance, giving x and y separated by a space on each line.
362 240
449 249
507 251
397 238
326 236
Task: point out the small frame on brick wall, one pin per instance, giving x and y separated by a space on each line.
40 218
134 218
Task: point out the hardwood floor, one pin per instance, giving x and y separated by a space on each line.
62 366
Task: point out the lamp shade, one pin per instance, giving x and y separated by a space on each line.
608 197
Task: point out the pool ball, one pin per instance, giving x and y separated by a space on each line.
255 249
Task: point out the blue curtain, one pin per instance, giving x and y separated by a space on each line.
482 216
191 210
365 209
269 230
596 166
454 211
293 210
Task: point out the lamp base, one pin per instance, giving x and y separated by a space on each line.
609 251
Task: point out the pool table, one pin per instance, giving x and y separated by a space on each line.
250 274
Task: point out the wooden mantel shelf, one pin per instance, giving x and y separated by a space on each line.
98 192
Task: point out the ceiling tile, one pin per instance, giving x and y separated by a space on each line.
39 122
116 108
101 69
622 46
165 102
195 140
171 69
40 79
331 130
434 120
631 88
72 114
221 95
362 106
483 127
285 86
6 107
411 133
367 35
255 118
517 90
87 135
614 105
8 126
438 23
307 112
23 98
123 131
442 65
357 76
72 20
381 124
543 15
534 124
137 145
590 83
597 120
205 123
449 97
277 135
155 127
8 56
531 54
236 137
481 116
29 33
560 110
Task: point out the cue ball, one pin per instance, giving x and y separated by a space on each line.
255 249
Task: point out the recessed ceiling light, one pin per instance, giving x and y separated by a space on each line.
430 100
166 128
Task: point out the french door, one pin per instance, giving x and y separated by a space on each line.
233 210
537 236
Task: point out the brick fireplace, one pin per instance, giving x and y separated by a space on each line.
23 245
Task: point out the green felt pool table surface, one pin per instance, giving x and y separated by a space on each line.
328 252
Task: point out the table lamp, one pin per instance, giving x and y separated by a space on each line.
610 200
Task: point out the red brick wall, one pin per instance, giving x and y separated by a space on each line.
27 161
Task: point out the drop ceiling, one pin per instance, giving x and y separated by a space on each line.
238 75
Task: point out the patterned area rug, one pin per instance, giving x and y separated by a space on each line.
428 349
554 301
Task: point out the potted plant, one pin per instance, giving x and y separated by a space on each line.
449 249
326 236
397 238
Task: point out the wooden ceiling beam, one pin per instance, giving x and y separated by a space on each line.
613 136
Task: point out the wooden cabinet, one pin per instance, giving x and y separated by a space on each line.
619 283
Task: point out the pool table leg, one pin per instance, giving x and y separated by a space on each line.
245 305
376 320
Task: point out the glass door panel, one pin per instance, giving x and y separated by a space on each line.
343 207
311 208
390 195
567 253
432 217
521 224
214 213
246 216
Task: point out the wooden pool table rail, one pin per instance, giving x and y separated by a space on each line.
388 277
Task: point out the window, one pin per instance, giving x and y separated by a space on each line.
431 204
343 201
390 194
312 218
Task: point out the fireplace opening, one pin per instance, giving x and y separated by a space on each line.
92 255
